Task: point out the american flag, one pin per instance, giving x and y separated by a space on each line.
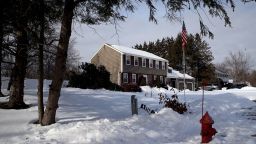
184 35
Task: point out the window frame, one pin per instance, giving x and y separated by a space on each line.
128 59
157 64
134 77
144 60
163 65
136 59
150 63
125 78
155 77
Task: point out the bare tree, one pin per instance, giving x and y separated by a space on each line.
237 64
252 78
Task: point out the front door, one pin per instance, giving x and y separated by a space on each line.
146 78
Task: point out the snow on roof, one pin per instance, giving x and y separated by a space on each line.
136 52
177 74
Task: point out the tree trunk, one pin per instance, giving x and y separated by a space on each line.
41 66
17 88
60 64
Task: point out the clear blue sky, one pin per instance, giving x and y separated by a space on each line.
137 29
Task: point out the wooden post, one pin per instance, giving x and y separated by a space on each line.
134 105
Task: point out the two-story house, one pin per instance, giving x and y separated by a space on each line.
128 65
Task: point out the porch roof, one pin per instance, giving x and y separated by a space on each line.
177 74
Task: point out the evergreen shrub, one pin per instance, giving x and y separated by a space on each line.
92 77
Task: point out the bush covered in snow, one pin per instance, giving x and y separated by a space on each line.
173 103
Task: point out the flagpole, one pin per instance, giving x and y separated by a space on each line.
184 42
184 71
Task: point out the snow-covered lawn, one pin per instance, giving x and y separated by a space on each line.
102 116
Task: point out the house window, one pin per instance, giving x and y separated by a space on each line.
151 63
161 79
125 77
143 62
136 61
133 78
163 65
157 64
128 60
155 77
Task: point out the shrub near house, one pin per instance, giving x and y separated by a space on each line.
92 77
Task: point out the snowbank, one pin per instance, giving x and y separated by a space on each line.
102 116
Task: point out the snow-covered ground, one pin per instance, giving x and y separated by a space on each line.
104 117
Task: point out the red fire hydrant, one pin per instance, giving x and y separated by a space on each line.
207 130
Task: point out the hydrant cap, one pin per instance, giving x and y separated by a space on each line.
206 119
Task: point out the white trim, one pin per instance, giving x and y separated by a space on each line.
97 52
114 48
104 46
122 63
118 78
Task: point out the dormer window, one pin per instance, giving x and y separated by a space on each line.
128 60
150 63
157 64
143 62
136 61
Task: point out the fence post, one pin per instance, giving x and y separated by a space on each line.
134 105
